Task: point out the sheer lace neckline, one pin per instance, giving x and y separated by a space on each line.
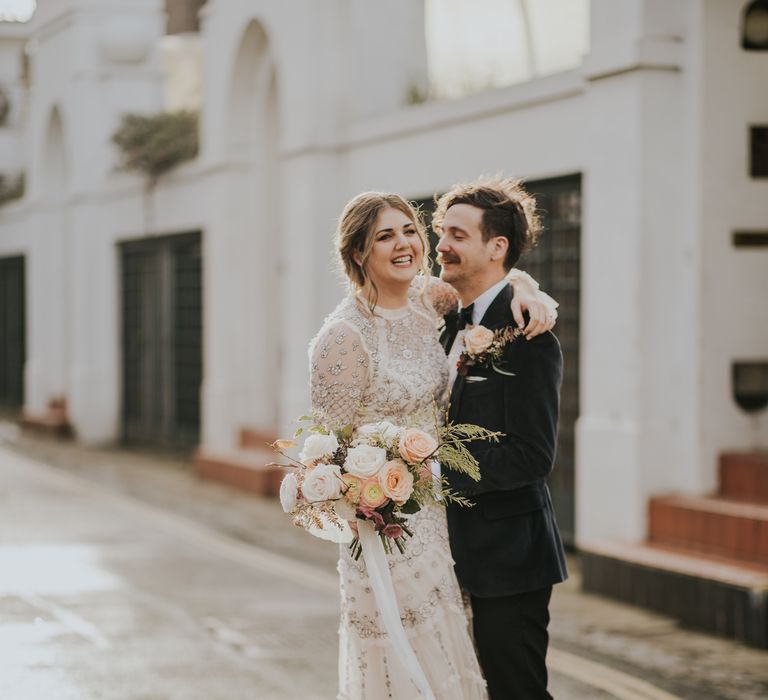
388 314
393 314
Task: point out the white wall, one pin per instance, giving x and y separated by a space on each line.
90 64
12 39
733 94
655 120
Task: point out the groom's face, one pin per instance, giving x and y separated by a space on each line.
462 252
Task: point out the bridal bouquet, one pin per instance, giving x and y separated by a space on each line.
378 472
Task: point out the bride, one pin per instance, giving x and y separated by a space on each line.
377 357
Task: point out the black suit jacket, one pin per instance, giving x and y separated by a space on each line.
508 542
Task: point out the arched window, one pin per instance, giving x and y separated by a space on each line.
754 28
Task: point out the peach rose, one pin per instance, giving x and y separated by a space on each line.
354 487
396 481
372 494
478 339
416 445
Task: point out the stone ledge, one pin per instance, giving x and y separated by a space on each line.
715 594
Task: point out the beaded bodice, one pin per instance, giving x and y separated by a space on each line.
385 365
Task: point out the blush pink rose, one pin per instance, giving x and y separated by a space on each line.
396 481
478 339
416 445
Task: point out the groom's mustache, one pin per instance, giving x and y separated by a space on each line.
442 259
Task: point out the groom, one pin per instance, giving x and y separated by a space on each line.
507 547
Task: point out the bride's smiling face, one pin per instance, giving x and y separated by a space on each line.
397 251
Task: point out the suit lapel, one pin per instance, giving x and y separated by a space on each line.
448 334
499 312
496 315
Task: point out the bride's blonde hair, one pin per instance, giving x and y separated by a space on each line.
355 233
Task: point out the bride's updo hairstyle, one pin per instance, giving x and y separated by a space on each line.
355 233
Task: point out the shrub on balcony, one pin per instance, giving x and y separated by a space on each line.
11 187
155 144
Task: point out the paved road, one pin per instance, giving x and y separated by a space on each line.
101 597
104 595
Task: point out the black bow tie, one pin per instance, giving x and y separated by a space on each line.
465 317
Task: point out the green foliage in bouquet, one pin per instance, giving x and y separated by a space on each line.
453 453
157 143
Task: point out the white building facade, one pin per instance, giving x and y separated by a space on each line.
227 265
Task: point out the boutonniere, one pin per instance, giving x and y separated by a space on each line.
484 348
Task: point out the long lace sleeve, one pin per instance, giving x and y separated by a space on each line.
339 366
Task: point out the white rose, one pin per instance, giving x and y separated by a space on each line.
322 483
365 460
317 446
289 492
384 430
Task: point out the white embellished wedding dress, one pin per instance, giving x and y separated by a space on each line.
389 365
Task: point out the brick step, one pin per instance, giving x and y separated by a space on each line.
721 595
248 470
255 439
711 525
54 422
744 476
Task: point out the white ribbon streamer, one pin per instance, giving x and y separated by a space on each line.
384 592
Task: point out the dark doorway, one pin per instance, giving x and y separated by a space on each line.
12 333
162 340
556 264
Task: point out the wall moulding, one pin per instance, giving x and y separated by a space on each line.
620 56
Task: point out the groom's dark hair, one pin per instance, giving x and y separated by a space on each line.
508 211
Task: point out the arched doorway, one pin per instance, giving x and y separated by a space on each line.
251 144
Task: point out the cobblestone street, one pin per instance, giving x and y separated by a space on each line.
125 576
